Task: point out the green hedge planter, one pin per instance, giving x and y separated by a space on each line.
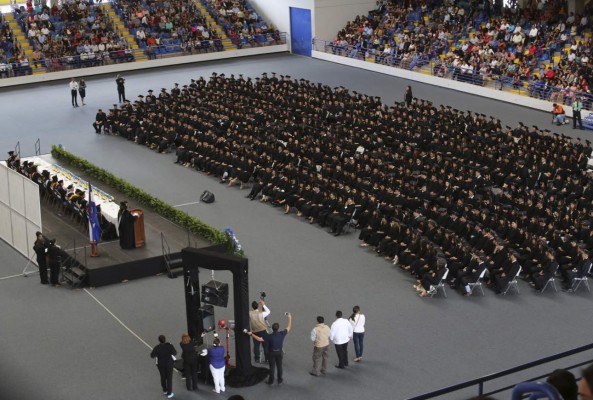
167 211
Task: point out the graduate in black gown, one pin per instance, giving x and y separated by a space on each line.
125 221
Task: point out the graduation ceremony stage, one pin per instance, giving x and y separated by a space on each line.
163 240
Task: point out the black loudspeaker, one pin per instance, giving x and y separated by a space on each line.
207 197
215 293
206 314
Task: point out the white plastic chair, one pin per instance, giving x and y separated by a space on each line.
435 288
576 281
477 283
513 283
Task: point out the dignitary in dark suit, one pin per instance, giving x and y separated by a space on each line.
54 261
39 247
125 220
164 354
100 121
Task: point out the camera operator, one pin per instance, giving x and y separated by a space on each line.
54 259
259 325
39 247
275 342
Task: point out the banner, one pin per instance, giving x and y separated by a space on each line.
93 215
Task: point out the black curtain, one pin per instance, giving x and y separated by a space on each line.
214 258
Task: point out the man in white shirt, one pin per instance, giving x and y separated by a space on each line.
340 334
74 92
259 326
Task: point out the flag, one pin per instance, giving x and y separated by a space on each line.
93 215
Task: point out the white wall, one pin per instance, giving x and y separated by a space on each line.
277 12
20 210
331 15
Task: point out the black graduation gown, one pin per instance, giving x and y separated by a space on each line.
127 238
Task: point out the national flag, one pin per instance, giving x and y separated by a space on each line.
93 215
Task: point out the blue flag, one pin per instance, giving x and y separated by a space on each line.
93 215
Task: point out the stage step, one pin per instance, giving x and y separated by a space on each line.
172 264
75 276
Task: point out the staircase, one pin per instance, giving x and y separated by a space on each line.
73 272
172 261
123 32
23 42
226 42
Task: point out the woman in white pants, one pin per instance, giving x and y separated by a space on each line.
217 364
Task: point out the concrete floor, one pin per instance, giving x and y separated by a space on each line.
72 347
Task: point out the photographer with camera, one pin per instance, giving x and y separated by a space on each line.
259 325
275 342
54 261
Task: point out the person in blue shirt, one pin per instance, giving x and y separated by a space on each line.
217 365
274 342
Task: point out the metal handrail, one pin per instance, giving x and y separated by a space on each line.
109 57
38 147
446 71
166 249
17 149
480 381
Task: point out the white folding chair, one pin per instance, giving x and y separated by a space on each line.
551 282
435 288
576 281
352 222
513 283
477 283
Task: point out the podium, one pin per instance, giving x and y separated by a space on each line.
139 235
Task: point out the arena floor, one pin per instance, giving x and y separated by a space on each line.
95 343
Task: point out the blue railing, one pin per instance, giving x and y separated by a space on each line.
479 382
533 88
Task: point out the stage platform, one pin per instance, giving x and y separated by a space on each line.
115 264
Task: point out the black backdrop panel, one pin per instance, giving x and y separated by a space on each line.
214 258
